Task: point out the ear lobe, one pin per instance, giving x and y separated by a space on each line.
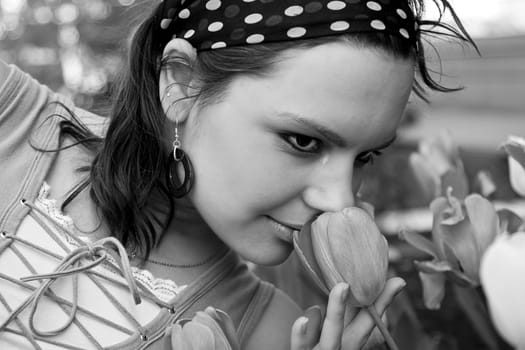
176 77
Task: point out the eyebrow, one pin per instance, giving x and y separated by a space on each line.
327 133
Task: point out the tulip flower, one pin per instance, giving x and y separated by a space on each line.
503 281
437 166
461 232
211 329
347 246
515 148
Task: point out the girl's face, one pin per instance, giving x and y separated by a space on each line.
275 151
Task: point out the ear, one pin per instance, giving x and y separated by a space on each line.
176 78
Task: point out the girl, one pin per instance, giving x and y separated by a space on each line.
235 123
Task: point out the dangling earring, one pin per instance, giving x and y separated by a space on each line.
179 188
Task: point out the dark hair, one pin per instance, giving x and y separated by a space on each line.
129 165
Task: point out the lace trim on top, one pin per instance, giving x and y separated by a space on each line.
164 289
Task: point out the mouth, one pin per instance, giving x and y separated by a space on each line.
285 229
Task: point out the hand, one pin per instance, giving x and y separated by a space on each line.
309 334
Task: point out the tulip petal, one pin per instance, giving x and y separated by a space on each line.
433 266
324 256
502 270
461 241
448 147
303 246
433 289
199 336
484 220
228 328
359 253
426 176
515 148
485 184
509 221
453 213
366 206
436 151
456 179
437 207
178 340
517 176
419 241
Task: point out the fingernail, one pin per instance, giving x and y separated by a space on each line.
344 292
303 326
314 308
401 287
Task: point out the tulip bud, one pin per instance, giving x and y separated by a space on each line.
502 274
515 148
348 247
211 329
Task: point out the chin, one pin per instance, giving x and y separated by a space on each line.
277 256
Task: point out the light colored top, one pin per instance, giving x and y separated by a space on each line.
38 239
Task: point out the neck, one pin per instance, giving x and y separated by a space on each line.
188 240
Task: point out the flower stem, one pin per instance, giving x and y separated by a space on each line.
382 328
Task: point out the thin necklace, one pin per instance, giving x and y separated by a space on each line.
186 266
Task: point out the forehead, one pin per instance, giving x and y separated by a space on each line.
343 86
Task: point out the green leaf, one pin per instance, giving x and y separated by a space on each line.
418 241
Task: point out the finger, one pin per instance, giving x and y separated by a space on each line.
333 324
299 340
357 333
315 321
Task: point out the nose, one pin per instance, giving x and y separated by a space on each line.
331 188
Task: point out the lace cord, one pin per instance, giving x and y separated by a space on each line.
70 265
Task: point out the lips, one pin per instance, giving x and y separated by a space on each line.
288 225
283 229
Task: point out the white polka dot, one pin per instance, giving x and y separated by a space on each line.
189 34
248 0
253 18
184 14
296 32
218 45
377 24
213 5
372 5
295 10
215 26
339 25
404 33
165 23
255 39
336 5
401 13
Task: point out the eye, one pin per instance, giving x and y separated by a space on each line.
303 143
367 158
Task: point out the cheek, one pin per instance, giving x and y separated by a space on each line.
241 172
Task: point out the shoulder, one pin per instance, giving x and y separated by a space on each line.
273 330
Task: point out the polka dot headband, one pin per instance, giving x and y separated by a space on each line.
215 24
